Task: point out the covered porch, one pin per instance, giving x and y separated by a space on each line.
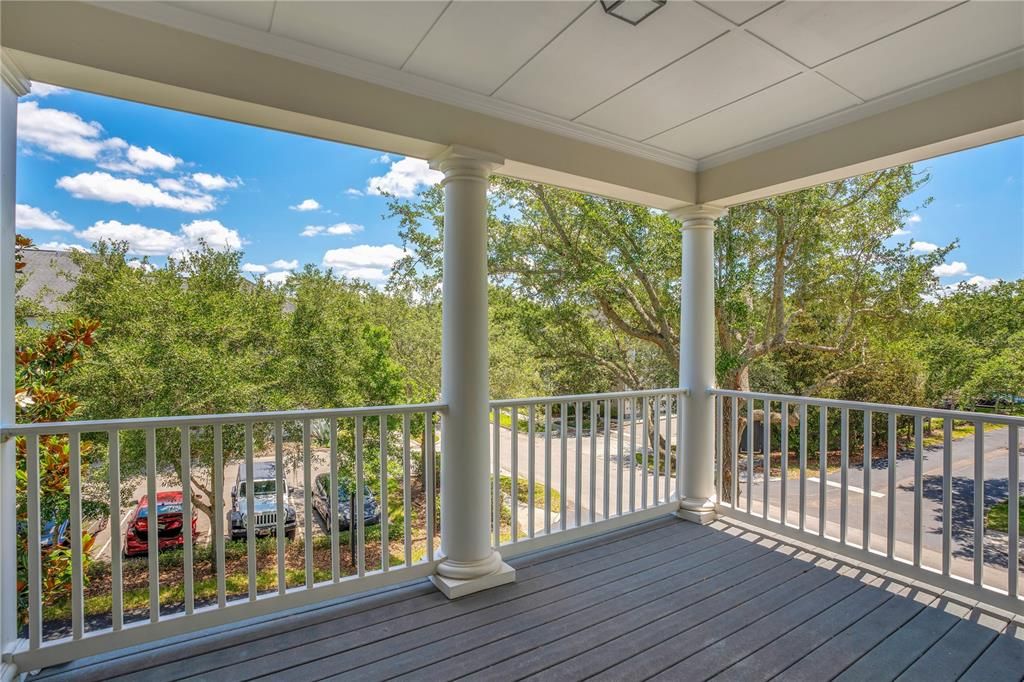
707 106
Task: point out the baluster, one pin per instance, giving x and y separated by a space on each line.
547 469
607 454
359 520
1013 509
429 466
186 518
152 521
531 475
514 483
218 516
918 468
766 447
250 512
822 466
385 554
564 474
979 501
307 503
890 530
406 491
784 462
844 475
279 483
116 572
593 461
947 494
34 530
335 521
496 476
866 463
803 466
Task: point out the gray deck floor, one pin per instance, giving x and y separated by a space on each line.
662 600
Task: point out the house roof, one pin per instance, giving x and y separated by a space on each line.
47 277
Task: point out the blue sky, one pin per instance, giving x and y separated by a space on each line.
92 166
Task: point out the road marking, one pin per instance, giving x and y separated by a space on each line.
120 526
851 488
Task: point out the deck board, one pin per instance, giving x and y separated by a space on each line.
660 600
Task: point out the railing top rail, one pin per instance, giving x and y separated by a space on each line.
550 400
877 407
210 419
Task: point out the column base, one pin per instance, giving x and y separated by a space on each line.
703 517
453 588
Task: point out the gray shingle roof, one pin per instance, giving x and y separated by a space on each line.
47 277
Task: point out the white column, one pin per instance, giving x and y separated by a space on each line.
697 361
470 563
12 85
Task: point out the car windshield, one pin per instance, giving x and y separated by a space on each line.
345 488
161 509
260 488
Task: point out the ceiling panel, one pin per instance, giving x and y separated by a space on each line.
382 32
600 55
254 13
816 31
478 45
738 11
952 40
798 100
731 67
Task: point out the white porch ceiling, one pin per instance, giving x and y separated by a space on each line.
695 85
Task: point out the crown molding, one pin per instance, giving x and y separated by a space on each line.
378 74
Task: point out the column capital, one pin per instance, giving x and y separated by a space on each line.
12 76
698 215
465 163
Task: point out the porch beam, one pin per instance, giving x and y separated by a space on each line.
12 85
470 563
969 116
697 361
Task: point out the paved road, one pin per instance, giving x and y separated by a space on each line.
996 472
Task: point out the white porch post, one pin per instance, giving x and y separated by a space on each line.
697 361
12 86
470 563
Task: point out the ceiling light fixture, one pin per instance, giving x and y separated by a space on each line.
632 11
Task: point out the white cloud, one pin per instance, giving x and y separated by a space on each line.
214 182
151 159
212 233
277 277
336 229
61 246
899 232
353 192
137 264
923 247
371 263
255 268
172 185
45 90
306 205
105 187
62 132
983 282
32 218
142 240
282 264
383 158
404 178
953 269
915 218
152 241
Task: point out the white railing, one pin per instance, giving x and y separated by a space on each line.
580 464
926 518
166 453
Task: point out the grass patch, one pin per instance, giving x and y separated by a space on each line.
961 429
524 423
998 517
523 492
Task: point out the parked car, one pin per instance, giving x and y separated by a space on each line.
263 486
52 534
169 523
346 489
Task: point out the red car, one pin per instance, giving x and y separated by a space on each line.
170 530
